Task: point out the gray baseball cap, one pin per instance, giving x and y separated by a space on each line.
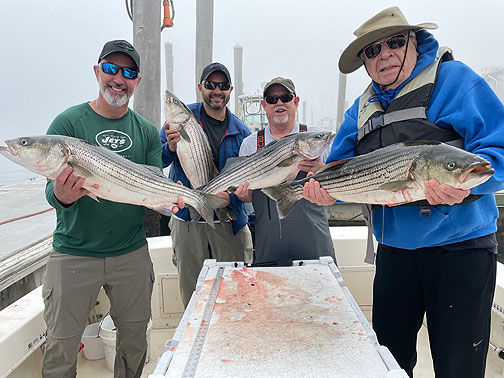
286 83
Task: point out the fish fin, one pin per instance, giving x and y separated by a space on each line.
334 165
93 196
396 185
195 216
184 134
231 162
292 176
207 206
285 201
287 162
215 171
79 170
224 214
164 209
156 170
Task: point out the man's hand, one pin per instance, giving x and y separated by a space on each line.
172 136
441 194
225 196
68 188
314 193
180 202
243 193
311 165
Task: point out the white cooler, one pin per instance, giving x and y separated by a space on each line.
298 321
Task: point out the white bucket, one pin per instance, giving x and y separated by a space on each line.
93 346
108 337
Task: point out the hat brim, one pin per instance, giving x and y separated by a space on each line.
349 61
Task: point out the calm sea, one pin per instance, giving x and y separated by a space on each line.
11 173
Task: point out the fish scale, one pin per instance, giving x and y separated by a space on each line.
390 176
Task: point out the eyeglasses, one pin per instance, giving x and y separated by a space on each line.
284 98
211 85
374 50
112 69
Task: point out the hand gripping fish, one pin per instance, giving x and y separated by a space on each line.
118 179
392 175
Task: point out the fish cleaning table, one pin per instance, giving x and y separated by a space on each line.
298 321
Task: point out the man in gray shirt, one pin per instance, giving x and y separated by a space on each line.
304 233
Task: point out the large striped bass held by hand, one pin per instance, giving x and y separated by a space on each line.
193 149
276 162
118 179
392 175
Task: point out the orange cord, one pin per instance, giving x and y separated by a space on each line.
25 216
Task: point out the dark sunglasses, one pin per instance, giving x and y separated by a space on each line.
284 98
211 85
374 50
112 69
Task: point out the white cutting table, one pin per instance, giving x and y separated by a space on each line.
298 321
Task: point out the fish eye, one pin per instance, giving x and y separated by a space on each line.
23 142
451 165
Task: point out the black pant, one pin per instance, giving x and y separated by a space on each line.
454 288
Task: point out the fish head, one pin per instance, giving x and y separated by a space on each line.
453 166
45 155
176 112
311 145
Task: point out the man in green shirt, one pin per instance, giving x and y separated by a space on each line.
100 244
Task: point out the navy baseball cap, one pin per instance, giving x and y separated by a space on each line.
123 47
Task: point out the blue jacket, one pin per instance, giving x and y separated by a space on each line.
229 147
461 100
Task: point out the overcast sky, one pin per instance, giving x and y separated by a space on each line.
49 47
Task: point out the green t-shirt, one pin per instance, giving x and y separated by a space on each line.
104 228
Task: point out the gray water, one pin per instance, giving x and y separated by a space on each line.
11 173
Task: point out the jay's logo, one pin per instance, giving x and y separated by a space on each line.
114 140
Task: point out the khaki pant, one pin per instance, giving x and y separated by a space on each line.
194 242
71 286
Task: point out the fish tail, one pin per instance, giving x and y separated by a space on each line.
207 205
284 197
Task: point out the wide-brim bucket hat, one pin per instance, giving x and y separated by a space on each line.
383 24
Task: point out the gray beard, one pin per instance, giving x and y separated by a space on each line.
117 100
282 121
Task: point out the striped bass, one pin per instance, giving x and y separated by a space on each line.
391 175
193 149
276 162
118 179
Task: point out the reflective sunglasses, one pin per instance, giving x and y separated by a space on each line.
374 50
112 69
284 98
211 85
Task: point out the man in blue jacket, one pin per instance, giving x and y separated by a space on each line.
193 242
436 258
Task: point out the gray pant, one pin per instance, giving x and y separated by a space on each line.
71 286
193 242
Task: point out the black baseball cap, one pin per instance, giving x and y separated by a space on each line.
211 68
123 47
